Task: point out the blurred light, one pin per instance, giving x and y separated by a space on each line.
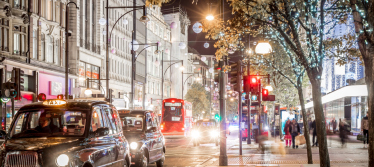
269 88
209 17
263 48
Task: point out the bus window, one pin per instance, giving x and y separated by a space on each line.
173 112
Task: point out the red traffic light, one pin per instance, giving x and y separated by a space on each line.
253 80
42 97
60 96
265 92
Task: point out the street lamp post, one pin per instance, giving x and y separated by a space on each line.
144 19
67 34
163 73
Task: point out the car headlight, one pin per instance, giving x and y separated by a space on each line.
62 160
133 145
195 134
231 128
214 133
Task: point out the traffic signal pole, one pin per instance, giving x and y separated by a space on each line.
239 89
222 91
249 109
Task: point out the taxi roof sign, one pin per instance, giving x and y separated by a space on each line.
124 111
54 102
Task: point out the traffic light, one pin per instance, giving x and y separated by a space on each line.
217 117
9 90
246 84
235 74
265 94
42 97
216 72
18 80
254 84
60 96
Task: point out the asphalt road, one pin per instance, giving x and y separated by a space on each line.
181 152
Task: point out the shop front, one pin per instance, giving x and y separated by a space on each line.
348 104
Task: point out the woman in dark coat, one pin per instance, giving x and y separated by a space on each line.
342 132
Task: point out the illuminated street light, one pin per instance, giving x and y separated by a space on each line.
181 68
88 91
263 48
209 17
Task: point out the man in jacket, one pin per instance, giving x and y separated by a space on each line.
334 124
365 129
295 131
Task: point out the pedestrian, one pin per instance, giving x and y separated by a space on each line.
315 139
295 131
365 129
342 132
334 123
287 135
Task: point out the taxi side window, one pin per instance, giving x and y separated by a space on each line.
155 122
149 121
110 121
97 120
117 119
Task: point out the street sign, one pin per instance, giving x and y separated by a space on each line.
254 97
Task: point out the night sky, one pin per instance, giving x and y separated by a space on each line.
197 12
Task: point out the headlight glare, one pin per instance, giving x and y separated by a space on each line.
133 145
195 134
62 160
214 133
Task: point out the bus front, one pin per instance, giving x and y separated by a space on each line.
173 117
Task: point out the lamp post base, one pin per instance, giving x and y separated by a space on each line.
223 160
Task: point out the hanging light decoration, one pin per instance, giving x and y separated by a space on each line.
102 21
166 50
159 43
176 65
113 51
203 58
211 70
125 22
173 25
157 63
206 45
136 46
231 51
182 45
197 27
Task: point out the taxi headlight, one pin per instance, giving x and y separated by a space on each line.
62 160
195 134
133 145
214 133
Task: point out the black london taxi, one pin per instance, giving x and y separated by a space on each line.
74 133
142 129
205 131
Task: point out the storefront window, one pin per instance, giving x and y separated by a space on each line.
89 71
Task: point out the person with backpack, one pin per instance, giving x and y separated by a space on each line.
365 129
295 131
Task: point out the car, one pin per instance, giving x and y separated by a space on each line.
205 131
61 133
147 143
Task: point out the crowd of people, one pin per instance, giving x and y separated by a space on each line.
342 128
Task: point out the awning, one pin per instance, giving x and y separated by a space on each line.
347 91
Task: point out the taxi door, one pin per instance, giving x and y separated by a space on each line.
158 137
151 141
114 138
99 147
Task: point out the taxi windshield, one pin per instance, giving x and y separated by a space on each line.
132 123
46 123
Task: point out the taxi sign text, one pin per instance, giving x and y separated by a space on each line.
54 102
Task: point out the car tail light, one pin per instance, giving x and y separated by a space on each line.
182 128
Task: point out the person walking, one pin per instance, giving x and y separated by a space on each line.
287 135
295 131
365 129
315 139
334 123
342 132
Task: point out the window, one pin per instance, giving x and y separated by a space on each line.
19 40
49 49
49 9
19 4
56 55
97 120
149 121
16 44
42 50
34 45
111 120
89 71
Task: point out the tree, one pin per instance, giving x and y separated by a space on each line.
197 95
232 108
299 26
363 16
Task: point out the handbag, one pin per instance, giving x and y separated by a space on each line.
361 137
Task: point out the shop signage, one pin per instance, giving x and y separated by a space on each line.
55 88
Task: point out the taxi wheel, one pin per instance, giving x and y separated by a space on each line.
160 163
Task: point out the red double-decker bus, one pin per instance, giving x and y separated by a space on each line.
176 119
